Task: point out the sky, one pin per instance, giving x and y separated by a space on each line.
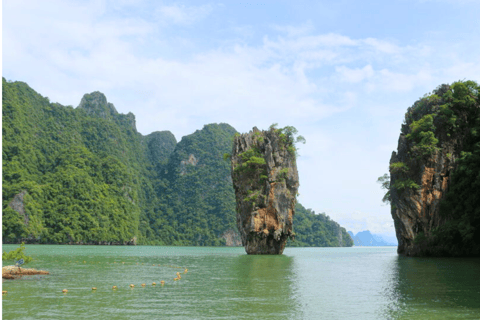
342 72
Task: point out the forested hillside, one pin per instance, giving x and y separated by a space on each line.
85 175
317 230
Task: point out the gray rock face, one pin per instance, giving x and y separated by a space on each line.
265 180
18 205
95 104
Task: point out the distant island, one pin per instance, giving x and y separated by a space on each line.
85 175
366 238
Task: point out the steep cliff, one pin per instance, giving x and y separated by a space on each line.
438 149
265 179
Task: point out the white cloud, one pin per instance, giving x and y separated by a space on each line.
295 31
181 14
355 75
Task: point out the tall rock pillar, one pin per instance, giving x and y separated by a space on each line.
265 179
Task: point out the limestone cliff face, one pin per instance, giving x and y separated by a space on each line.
430 142
265 180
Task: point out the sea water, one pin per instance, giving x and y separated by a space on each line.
225 283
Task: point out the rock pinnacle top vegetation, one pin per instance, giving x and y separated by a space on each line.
265 178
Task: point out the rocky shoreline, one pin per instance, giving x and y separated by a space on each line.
14 272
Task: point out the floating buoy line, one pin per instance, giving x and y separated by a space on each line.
114 288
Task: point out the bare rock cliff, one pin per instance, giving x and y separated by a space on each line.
265 180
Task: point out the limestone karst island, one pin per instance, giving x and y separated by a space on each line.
85 175
265 178
434 186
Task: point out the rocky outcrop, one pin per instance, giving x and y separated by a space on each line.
431 140
265 180
18 204
14 272
232 238
95 104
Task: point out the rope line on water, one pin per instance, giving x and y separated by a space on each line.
114 288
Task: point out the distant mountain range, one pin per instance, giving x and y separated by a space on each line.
366 238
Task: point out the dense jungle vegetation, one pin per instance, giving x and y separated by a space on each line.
86 176
461 205
317 230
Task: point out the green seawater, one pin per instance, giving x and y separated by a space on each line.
225 283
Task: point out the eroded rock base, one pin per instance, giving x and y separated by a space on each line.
262 244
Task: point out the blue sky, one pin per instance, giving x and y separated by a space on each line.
342 72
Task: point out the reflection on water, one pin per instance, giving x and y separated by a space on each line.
435 288
225 283
376 283
265 285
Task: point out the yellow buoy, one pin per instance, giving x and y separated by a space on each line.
114 288
154 284
178 273
175 279
143 284
162 282
94 288
132 285
186 270
64 290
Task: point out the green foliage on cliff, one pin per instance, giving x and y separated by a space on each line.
461 205
197 201
422 133
317 230
385 184
289 138
405 184
453 112
77 178
397 167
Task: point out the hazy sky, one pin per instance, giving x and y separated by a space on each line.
342 72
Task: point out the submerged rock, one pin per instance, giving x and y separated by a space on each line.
265 179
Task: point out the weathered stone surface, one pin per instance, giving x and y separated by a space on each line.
265 180
18 204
